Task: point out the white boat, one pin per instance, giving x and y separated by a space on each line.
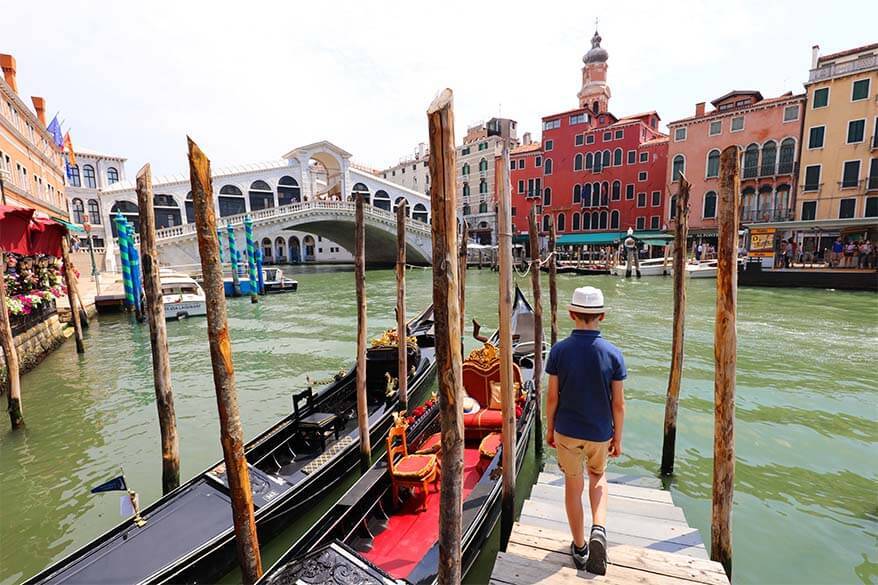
181 295
276 282
651 267
705 269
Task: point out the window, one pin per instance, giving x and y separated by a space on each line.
589 160
680 134
577 162
712 164
617 157
846 208
715 128
73 175
483 207
620 134
603 220
483 186
513 212
751 161
78 210
791 113
641 200
577 193
466 189
538 161
617 191
607 136
578 140
644 157
586 195
856 131
821 98
860 90
605 159
678 167
871 207
629 191
672 207
642 175
547 197
812 178
521 185
589 139
483 166
787 154
809 210
614 219
656 198
579 119
850 175
464 150
654 222
632 157
521 164
737 124
769 159
597 162
575 221
551 124
816 136
546 221
641 223
709 205
512 165
561 221
605 194
112 175
465 170
483 146
873 175
94 212
547 167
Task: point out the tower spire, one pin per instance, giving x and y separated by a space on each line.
595 94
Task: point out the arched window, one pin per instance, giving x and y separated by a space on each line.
787 155
678 167
605 193
73 175
712 164
577 162
595 107
483 207
577 194
589 160
603 220
483 166
266 248
764 201
595 194
782 202
561 222
466 189
261 196
231 201
129 211
402 201
595 220
546 224
672 212
709 205
94 212
465 170
466 209
288 191
112 175
586 220
189 207
88 175
575 221
617 157
547 167
586 195
769 159
748 203
381 200
614 219
280 249
606 158
167 211
751 161
617 190
547 196
419 213
483 186
78 210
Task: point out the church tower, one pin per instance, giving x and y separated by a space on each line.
595 93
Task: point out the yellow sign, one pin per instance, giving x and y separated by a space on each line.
762 242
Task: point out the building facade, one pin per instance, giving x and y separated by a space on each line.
767 131
839 161
412 172
31 166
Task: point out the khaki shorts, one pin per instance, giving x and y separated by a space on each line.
574 454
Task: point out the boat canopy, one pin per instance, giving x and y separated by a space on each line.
653 238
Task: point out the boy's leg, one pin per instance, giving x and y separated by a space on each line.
573 486
597 496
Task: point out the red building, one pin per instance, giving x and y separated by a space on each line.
594 172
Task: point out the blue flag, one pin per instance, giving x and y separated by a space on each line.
117 484
54 129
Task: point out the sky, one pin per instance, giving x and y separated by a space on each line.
250 81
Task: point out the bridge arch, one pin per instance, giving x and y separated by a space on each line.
280 249
310 247
295 250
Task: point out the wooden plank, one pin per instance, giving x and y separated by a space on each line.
513 568
555 495
616 489
675 565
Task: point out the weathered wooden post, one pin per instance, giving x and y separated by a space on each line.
553 285
461 268
725 357
231 432
443 203
360 278
158 334
401 330
7 342
538 327
507 392
681 232
70 280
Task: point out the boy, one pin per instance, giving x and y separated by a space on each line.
585 411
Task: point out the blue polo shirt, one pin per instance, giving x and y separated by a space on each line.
585 364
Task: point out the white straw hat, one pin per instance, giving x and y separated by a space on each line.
587 299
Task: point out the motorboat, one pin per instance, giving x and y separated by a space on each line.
651 267
276 282
182 297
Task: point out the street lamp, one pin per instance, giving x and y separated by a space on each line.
95 274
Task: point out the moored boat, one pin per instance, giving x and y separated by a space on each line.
188 535
182 297
276 282
650 267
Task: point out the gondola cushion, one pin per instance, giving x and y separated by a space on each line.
484 419
414 466
490 445
432 445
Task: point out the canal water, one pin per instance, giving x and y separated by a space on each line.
806 501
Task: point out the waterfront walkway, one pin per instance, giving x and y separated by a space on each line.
648 537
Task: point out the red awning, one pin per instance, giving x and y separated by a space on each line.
14 229
45 236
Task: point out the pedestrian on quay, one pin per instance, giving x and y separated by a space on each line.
698 251
585 410
849 254
837 250
863 254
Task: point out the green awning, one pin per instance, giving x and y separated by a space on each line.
520 239
71 227
653 238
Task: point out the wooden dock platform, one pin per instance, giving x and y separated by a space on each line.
649 541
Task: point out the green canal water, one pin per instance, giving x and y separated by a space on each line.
806 494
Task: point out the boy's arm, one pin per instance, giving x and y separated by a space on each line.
618 417
551 409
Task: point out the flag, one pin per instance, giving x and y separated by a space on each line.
117 484
54 129
68 144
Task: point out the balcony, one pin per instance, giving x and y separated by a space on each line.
811 187
838 69
750 172
854 185
766 215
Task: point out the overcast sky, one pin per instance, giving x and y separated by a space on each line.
251 80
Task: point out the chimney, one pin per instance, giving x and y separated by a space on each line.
7 62
39 108
815 56
525 139
699 109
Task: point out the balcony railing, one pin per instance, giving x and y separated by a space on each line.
837 69
811 187
848 184
785 167
750 172
766 215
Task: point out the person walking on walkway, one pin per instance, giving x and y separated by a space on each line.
585 410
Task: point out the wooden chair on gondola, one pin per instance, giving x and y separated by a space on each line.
410 471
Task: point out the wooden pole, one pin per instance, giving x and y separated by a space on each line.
461 269
158 334
553 285
507 392
7 342
401 330
538 326
231 432
725 357
443 202
681 232
360 278
72 294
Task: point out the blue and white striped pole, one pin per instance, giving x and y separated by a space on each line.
136 278
233 259
261 275
251 258
122 235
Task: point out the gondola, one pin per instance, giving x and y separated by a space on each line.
370 536
188 534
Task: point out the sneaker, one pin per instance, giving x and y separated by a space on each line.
580 555
597 546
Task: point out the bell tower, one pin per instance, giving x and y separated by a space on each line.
595 93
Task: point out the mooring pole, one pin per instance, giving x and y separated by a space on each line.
251 260
507 392
538 328
681 231
725 357
401 330
127 283
360 278
461 270
70 280
233 259
137 283
446 304
158 334
7 342
553 285
231 432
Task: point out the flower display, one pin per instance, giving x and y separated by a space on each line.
31 281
